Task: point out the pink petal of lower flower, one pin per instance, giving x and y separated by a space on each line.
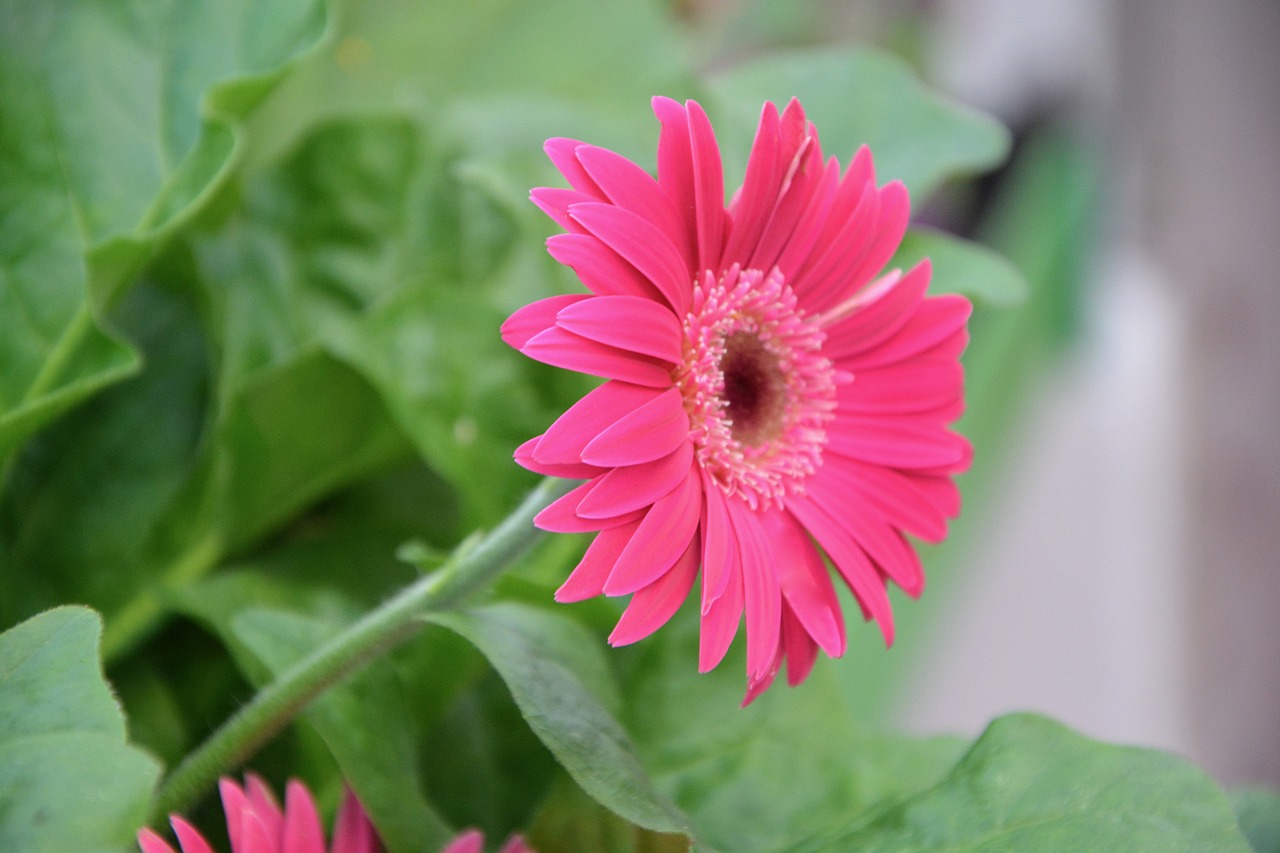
630 323
302 830
152 843
806 582
536 317
564 440
760 589
234 805
516 844
560 348
556 201
634 487
587 579
661 538
652 606
849 559
641 244
471 841
758 194
649 432
353 832
890 227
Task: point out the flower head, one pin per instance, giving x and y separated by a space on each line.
257 824
772 394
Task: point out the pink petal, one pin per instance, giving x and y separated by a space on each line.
791 254
870 322
649 432
916 504
150 842
258 836
895 209
353 832
662 537
716 536
820 283
587 580
302 830
719 622
756 198
800 648
806 582
631 323
900 441
262 803
563 153
759 683
555 202
652 606
630 187
675 160
234 805
760 589
516 844
708 188
633 487
562 515
641 244
600 268
536 317
524 456
559 348
861 518
936 321
912 387
849 559
564 440
471 841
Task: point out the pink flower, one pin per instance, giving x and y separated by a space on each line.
772 395
256 824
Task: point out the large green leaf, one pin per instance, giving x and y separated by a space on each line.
116 120
1258 813
68 779
960 266
561 684
1031 784
859 98
759 778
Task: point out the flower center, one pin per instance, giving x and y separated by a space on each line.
757 387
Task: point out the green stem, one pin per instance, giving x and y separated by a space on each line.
378 631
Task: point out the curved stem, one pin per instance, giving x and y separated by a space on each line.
378 631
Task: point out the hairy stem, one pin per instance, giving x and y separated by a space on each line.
377 632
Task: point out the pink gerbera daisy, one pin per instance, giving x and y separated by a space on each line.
772 394
257 824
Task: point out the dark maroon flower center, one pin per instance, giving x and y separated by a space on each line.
755 389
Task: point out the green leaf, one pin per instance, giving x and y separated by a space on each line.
1258 813
1031 784
104 151
961 266
561 684
759 778
68 779
857 98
